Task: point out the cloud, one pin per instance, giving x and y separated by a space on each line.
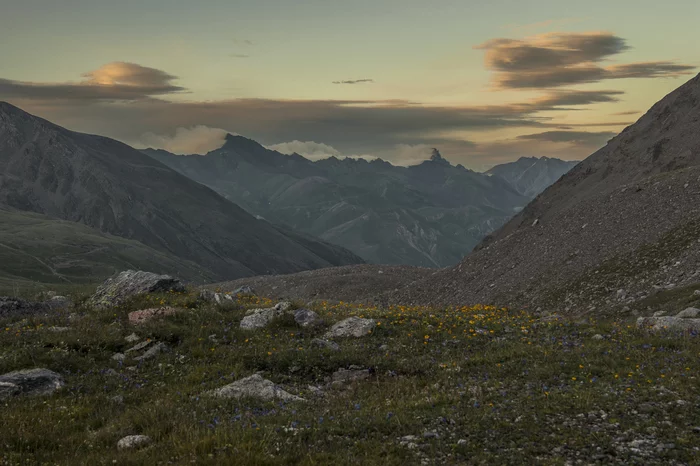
355 81
309 149
630 112
239 55
113 81
194 140
576 137
561 59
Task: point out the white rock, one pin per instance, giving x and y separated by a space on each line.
689 313
133 442
672 324
260 319
255 387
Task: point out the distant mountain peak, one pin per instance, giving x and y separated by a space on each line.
437 157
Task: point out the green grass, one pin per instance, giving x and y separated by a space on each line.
497 386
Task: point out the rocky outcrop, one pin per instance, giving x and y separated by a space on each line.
15 307
260 318
133 442
254 386
31 382
685 321
131 283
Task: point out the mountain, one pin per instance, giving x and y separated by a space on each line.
35 248
429 215
617 233
531 175
118 190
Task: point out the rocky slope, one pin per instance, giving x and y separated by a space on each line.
531 175
430 214
110 186
621 227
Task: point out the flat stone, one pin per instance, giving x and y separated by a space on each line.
668 323
30 382
689 313
133 338
254 386
146 315
139 347
152 352
344 376
326 344
351 327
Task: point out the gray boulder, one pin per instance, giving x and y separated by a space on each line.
244 290
260 318
15 307
59 302
351 327
133 442
283 306
326 344
125 285
306 318
152 352
30 382
689 313
669 323
345 376
255 387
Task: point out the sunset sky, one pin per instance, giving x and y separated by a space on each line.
485 82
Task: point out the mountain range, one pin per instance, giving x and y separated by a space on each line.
118 191
430 214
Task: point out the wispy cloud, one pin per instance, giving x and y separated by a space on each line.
562 59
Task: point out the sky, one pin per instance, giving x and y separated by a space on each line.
484 82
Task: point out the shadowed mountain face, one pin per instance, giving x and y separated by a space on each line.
619 228
531 175
430 214
110 186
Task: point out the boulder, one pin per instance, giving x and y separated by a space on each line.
306 318
133 338
689 313
669 323
139 347
146 315
128 284
345 376
133 442
326 344
15 307
244 290
152 352
260 318
352 327
255 387
283 306
59 302
30 382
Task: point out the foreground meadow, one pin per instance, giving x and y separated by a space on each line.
472 385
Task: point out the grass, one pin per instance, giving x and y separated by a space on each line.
475 385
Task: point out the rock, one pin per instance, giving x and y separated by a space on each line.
283 306
119 357
672 324
152 352
344 376
59 302
689 313
132 442
15 307
145 315
58 329
126 285
697 293
429 434
621 294
260 319
255 387
598 336
244 290
306 318
139 347
119 400
133 338
659 313
207 296
320 343
352 327
30 382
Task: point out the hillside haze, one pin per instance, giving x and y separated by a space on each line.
430 214
109 186
615 231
